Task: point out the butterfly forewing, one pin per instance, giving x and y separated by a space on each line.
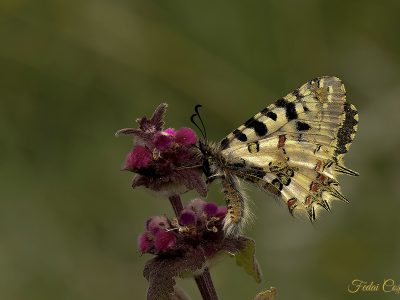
320 100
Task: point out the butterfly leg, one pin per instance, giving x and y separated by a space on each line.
214 177
236 202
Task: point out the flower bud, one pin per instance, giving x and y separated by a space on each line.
164 240
157 223
163 141
186 136
187 217
145 242
210 209
170 131
139 157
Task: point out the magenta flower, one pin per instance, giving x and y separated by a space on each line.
139 157
187 217
169 161
164 160
189 245
164 240
199 226
211 209
221 211
170 131
163 235
145 242
163 141
186 136
157 223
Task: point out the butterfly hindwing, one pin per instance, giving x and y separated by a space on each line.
302 175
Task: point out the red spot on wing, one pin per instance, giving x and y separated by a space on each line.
314 187
308 200
291 203
321 178
282 140
318 166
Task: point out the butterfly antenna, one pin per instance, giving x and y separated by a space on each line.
194 122
196 109
202 129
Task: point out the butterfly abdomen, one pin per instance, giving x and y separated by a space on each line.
216 166
237 205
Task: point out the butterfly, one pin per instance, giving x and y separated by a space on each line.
292 149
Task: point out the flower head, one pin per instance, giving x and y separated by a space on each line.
164 240
145 242
163 141
139 157
157 223
189 244
186 136
170 131
211 209
187 217
198 225
164 160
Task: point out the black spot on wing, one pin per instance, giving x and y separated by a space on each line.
240 135
297 94
224 143
284 179
239 165
346 130
258 172
277 184
259 127
269 114
290 107
302 126
291 112
253 147
269 187
281 102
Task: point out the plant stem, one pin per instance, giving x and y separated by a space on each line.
206 286
203 281
176 204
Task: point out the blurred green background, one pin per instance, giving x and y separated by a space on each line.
73 72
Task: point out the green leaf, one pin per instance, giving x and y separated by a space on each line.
246 259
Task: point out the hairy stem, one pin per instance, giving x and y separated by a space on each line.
206 286
203 281
176 204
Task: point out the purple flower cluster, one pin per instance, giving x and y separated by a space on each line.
164 160
199 225
170 162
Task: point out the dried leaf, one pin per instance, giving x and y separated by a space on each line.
193 179
246 259
162 270
157 119
267 295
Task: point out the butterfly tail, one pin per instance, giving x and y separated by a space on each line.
238 213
